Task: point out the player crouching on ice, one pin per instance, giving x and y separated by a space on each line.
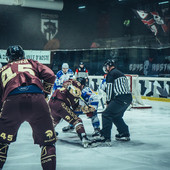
64 102
91 99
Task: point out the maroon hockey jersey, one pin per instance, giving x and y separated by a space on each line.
64 95
26 72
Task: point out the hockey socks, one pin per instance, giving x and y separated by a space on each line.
48 158
3 154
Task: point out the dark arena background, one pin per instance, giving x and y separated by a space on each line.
130 31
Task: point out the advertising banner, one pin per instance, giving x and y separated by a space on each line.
41 56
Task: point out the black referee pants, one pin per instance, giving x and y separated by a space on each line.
114 114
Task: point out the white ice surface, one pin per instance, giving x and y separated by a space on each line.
149 148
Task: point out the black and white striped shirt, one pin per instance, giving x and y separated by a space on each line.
117 84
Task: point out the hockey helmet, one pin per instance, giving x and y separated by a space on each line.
15 52
65 65
74 87
110 63
82 80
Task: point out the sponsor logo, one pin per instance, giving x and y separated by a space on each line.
67 117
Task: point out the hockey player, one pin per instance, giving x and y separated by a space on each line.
91 99
63 75
118 98
64 102
22 99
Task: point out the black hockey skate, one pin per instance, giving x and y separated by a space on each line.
101 141
96 134
122 137
86 142
68 128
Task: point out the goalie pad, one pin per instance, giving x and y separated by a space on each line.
87 109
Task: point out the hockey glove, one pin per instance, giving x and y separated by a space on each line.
87 109
47 87
90 114
78 109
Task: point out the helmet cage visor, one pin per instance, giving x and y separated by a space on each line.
105 68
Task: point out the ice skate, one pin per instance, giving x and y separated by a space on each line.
122 137
68 128
86 142
101 141
96 134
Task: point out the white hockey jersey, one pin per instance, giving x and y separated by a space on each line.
61 78
90 97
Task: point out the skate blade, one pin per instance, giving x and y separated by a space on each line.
90 145
101 144
124 139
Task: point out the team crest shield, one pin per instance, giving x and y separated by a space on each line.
49 25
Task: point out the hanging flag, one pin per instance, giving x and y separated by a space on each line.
152 20
160 21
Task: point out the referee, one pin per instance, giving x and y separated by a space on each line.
118 98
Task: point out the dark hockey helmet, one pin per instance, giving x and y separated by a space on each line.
81 63
110 63
82 80
15 52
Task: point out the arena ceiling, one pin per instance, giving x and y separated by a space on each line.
59 4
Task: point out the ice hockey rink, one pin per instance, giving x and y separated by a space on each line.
149 148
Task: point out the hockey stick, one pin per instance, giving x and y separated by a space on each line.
84 101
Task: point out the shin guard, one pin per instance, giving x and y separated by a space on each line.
48 157
79 126
3 154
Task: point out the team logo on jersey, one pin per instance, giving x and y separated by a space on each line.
49 25
67 117
49 133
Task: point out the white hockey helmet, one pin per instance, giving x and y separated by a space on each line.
65 65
